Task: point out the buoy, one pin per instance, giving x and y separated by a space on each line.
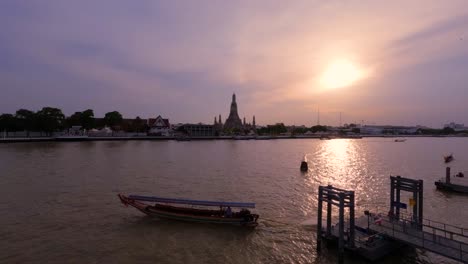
304 166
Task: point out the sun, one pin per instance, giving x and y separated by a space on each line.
341 73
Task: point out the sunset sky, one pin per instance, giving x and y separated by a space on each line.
403 62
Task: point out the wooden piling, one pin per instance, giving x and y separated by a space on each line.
351 220
329 213
319 220
447 175
341 230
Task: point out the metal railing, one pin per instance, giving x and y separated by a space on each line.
437 228
425 239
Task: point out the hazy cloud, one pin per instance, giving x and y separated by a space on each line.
184 59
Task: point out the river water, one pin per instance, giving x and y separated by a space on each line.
58 201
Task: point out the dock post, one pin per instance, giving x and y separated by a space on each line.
319 220
415 208
341 230
329 213
447 175
351 220
420 204
392 195
398 197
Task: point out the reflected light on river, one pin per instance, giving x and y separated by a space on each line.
338 161
59 200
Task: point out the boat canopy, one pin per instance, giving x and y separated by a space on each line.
192 202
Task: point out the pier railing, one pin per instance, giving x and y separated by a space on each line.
439 228
440 238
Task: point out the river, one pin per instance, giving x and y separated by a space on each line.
58 200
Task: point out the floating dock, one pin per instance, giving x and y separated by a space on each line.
375 235
452 185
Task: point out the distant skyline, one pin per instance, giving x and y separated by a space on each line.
402 63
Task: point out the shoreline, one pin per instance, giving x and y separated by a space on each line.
164 138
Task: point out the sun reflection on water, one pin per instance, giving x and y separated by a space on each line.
337 158
345 163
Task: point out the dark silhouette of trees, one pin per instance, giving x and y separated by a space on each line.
50 119
318 128
84 119
87 119
113 119
26 120
74 120
7 123
273 129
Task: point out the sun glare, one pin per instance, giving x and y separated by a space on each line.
341 73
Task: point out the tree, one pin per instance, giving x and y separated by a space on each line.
87 119
50 119
448 130
279 128
7 122
26 120
113 119
318 128
299 130
84 119
75 119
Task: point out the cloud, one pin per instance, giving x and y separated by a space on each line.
172 57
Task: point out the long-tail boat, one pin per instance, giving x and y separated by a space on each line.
165 208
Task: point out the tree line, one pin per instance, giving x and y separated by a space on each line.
50 119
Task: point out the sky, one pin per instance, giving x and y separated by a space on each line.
375 62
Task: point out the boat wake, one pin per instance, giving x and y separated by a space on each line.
310 224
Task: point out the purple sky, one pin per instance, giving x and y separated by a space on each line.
184 59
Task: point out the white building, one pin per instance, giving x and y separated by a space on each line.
376 130
159 126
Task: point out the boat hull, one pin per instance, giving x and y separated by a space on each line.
153 211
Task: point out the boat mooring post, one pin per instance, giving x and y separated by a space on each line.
420 204
398 200
351 219
319 220
447 175
341 229
329 212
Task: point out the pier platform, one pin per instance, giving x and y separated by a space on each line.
436 237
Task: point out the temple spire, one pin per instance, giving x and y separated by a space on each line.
233 121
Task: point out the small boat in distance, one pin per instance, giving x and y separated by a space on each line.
448 158
325 137
165 208
400 140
